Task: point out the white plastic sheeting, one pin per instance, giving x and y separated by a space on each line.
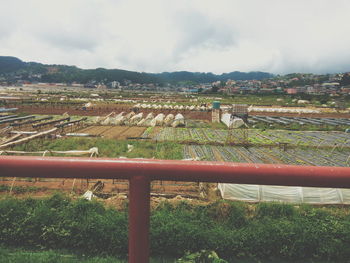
158 120
231 123
169 119
282 110
92 152
108 120
167 106
179 121
285 194
136 118
226 118
8 109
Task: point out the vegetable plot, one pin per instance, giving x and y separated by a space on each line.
256 137
296 156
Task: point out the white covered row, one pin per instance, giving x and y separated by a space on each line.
285 194
282 110
232 122
170 107
133 119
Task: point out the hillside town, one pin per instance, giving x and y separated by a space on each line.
331 84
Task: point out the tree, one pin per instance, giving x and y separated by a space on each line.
214 89
345 81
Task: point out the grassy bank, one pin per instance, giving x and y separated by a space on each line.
233 230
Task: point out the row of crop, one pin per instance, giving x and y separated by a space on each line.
201 135
259 137
302 138
296 156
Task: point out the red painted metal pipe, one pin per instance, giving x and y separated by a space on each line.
141 171
139 216
224 172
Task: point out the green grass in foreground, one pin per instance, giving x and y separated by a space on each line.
10 255
236 231
108 147
19 256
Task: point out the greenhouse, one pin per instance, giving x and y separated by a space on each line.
285 194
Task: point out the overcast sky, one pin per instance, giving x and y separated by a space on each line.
278 36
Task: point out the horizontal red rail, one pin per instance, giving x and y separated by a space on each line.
170 170
140 172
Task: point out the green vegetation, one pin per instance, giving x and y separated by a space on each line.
233 230
21 189
11 255
108 147
345 81
9 64
299 127
24 256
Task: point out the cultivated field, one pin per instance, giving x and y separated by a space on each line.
272 137
293 156
114 132
254 137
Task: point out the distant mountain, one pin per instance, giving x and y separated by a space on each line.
237 75
11 67
10 64
210 77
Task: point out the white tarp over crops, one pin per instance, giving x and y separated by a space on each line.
8 109
282 110
169 119
286 194
158 120
226 118
136 118
231 123
178 121
92 152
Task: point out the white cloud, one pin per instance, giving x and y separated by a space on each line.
163 35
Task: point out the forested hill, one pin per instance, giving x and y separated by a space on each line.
10 64
210 77
14 68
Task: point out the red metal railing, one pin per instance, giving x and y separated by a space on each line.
140 172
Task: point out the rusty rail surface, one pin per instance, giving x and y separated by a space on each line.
140 172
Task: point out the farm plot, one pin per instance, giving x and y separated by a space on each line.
200 135
296 156
301 138
258 137
299 120
94 130
114 132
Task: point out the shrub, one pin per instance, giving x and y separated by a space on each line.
274 210
234 230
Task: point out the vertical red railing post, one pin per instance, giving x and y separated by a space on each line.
139 218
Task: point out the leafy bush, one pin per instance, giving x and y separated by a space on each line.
234 230
275 210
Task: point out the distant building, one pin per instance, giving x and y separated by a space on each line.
115 84
291 91
101 87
